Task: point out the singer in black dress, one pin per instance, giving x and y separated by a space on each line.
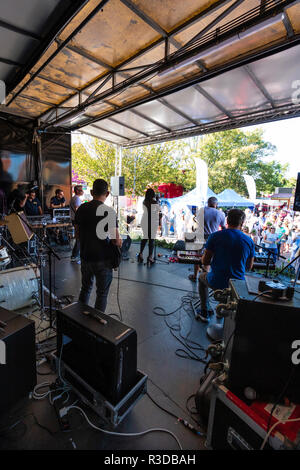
149 223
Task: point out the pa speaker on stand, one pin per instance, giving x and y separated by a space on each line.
296 206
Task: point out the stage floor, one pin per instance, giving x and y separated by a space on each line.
172 379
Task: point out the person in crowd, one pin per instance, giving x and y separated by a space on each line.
130 218
270 241
280 230
149 223
254 236
74 204
286 237
289 241
165 222
213 220
295 242
227 252
16 200
180 224
265 230
58 200
246 230
3 203
32 204
95 253
6 183
261 220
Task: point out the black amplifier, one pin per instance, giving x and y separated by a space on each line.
17 358
260 335
100 349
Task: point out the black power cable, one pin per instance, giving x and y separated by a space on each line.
280 396
190 346
180 420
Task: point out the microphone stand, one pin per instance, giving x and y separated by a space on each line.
269 251
50 253
289 264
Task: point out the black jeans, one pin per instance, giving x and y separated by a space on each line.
103 275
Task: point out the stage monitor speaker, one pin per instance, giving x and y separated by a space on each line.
17 358
296 207
259 337
117 184
18 228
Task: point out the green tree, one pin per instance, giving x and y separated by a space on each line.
231 154
95 161
156 164
142 166
292 182
270 175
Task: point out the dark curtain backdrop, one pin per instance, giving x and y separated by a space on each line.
19 163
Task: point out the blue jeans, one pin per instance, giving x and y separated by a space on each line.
274 254
76 248
103 275
203 292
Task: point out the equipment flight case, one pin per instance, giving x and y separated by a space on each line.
236 425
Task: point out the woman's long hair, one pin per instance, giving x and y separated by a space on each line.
149 198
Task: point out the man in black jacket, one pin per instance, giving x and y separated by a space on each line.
96 227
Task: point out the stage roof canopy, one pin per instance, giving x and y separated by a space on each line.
134 72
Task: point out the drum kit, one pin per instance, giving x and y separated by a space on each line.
19 286
23 259
5 259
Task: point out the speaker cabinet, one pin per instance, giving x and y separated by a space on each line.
296 207
117 184
18 361
17 226
99 349
259 338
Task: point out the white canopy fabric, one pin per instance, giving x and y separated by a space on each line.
229 198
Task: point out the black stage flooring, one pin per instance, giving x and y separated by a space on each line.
172 379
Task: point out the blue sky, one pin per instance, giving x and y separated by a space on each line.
285 135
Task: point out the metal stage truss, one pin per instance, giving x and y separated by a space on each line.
135 72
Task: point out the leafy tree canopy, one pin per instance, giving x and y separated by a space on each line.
229 155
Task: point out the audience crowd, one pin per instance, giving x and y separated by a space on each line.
277 229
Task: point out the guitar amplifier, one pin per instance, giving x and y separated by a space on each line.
259 335
101 350
17 358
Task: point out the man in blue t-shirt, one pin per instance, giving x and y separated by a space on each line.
228 252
